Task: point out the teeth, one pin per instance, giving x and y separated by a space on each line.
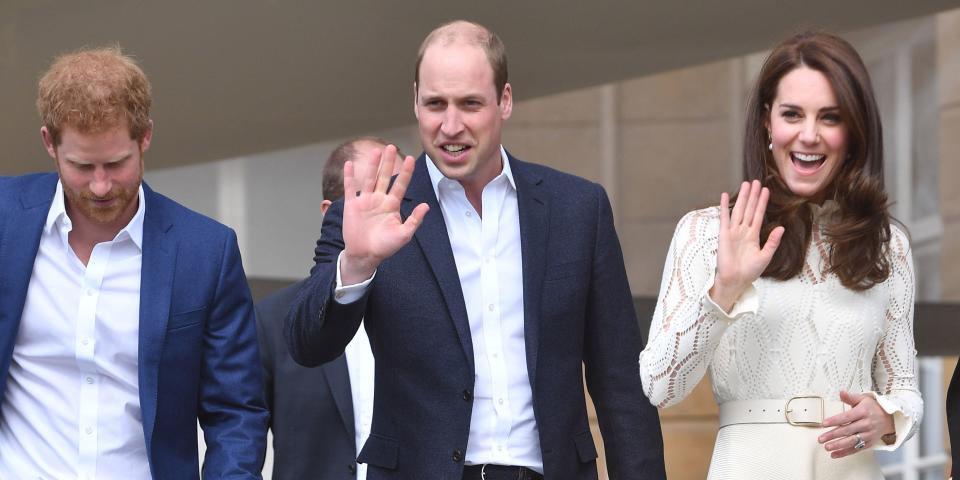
454 148
808 157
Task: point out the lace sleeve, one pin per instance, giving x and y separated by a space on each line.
687 325
895 362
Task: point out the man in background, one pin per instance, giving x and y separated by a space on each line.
320 416
125 318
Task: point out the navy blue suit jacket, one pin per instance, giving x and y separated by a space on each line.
311 409
578 313
953 420
197 356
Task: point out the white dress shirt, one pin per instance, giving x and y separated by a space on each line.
489 263
72 405
360 368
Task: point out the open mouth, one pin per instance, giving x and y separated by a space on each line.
455 150
807 163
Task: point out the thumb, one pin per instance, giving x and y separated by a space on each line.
850 398
773 242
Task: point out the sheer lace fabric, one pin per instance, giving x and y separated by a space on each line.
805 336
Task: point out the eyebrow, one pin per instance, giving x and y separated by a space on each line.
121 158
797 107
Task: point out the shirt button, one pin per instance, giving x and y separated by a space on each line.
500 401
490 307
85 341
89 379
496 355
89 430
89 292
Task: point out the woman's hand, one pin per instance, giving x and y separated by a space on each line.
740 259
866 419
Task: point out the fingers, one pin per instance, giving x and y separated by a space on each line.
724 211
399 188
385 172
367 173
350 183
738 207
773 242
752 199
415 219
850 398
757 221
847 445
843 418
861 426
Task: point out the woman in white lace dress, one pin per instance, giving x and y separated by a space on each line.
798 300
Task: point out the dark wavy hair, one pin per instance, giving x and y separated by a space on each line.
858 238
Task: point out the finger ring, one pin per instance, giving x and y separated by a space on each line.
860 443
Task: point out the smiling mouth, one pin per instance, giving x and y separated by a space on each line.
454 149
807 163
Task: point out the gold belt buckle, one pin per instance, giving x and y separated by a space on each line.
787 411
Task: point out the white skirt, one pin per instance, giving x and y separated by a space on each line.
783 451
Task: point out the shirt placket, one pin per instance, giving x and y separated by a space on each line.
492 199
86 358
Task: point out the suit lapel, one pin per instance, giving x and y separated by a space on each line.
534 225
435 244
156 286
19 242
338 380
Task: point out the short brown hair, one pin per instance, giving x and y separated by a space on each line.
858 239
473 34
92 91
333 169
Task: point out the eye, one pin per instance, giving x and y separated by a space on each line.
832 119
790 115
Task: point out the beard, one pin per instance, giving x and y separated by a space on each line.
87 204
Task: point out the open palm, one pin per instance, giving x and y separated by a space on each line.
740 258
372 227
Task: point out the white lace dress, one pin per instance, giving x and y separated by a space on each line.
805 336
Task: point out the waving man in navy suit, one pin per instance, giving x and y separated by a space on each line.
124 317
487 285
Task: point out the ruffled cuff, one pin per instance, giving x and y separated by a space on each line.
902 423
749 302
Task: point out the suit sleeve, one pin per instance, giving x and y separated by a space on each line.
265 341
629 423
317 328
232 412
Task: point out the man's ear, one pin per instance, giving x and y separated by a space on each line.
47 138
506 101
324 206
416 111
147 138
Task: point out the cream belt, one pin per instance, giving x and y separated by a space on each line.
801 411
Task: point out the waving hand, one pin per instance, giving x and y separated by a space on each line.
740 259
372 227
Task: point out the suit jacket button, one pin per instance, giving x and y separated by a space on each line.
353 468
467 395
457 455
